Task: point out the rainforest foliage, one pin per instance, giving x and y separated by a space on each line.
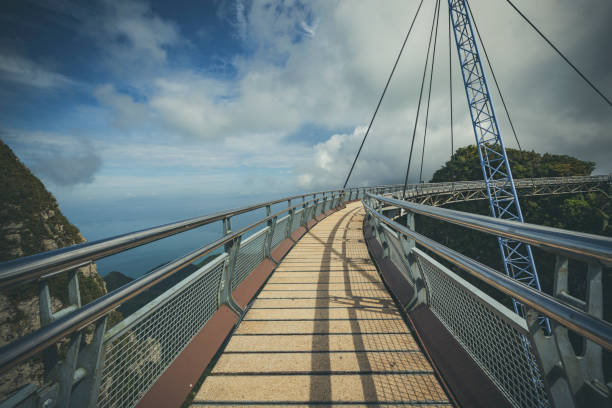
465 165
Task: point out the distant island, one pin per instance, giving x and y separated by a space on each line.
116 279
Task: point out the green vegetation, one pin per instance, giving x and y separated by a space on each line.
465 165
588 213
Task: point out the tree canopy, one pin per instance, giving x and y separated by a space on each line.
465 165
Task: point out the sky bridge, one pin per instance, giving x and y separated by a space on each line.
334 300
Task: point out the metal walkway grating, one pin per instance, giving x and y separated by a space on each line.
323 331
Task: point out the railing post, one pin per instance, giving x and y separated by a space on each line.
91 361
64 371
269 234
289 220
303 217
377 226
76 378
50 357
549 362
227 228
571 380
225 285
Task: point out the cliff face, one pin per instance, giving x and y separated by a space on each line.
31 222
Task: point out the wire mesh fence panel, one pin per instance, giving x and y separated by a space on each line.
280 231
250 254
136 357
297 218
396 252
488 331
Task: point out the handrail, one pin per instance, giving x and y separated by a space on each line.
33 343
582 323
29 268
575 244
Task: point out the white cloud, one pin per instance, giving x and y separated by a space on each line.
311 30
292 77
127 111
132 32
323 64
16 68
64 160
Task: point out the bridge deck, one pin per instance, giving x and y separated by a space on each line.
323 330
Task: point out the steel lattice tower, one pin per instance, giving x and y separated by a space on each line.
503 199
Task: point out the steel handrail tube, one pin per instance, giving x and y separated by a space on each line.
575 244
582 323
35 342
29 268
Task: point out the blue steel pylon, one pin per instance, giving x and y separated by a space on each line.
516 256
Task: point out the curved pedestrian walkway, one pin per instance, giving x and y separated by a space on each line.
322 332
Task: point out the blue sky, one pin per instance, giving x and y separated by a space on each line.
111 101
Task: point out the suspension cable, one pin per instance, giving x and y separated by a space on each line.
561 54
420 97
431 72
450 88
382 95
501 96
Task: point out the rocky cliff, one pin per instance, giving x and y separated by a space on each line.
31 222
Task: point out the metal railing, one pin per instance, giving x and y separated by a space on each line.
458 187
118 365
512 351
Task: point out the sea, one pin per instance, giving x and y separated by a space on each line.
109 218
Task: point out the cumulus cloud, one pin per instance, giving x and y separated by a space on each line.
325 63
291 77
61 159
67 169
288 78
